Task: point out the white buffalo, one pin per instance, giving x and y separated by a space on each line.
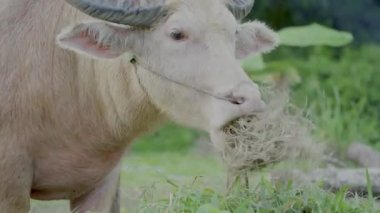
72 100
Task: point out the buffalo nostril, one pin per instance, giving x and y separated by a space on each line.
236 100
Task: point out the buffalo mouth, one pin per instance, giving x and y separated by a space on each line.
237 122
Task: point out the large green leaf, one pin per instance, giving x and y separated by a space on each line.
313 35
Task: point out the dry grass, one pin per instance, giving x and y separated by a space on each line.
280 133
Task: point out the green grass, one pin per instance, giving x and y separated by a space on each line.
342 93
187 182
157 173
339 88
265 197
195 183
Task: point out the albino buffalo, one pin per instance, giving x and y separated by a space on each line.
72 101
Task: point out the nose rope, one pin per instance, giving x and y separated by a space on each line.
205 92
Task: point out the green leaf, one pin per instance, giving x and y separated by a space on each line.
314 35
253 62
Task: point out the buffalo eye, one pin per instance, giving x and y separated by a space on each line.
178 35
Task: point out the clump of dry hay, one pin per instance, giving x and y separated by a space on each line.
255 141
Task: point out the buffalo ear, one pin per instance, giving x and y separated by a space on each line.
96 39
255 37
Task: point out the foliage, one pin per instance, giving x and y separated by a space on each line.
265 197
305 36
169 138
342 93
359 17
337 87
196 184
313 35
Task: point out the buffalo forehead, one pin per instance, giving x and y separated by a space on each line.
207 14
